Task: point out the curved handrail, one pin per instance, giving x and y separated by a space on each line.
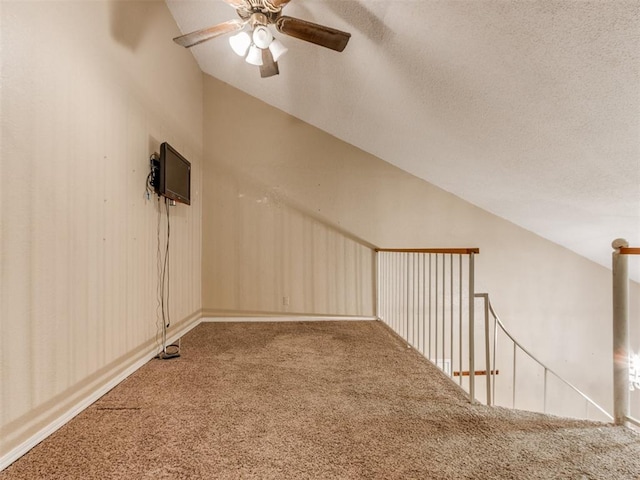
573 387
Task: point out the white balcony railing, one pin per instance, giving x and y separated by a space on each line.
427 297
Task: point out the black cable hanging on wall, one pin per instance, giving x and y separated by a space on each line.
172 350
163 314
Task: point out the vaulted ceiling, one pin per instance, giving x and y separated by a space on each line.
528 109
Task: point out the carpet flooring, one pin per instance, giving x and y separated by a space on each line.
316 400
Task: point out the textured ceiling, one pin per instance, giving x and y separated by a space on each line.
528 109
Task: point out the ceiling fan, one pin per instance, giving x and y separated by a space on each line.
259 47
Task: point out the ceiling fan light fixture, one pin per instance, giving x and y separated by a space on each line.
257 44
255 56
277 49
262 37
240 43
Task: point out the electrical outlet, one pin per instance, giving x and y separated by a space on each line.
285 301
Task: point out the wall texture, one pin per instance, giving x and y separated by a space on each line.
556 302
263 255
89 90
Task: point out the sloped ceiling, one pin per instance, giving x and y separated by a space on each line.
528 109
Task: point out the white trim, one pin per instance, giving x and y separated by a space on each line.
298 318
92 397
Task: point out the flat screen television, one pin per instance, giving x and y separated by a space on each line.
174 175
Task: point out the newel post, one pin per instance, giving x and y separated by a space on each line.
620 333
472 354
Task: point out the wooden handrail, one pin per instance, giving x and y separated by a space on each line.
461 251
630 250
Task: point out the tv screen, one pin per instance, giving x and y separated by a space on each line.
174 175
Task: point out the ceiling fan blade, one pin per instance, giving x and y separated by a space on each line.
314 33
269 68
278 3
199 36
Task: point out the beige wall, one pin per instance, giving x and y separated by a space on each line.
264 256
89 90
556 302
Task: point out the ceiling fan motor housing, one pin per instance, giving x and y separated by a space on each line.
259 12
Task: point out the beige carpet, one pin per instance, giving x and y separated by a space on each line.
314 400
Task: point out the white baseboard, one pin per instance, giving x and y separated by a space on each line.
298 318
92 397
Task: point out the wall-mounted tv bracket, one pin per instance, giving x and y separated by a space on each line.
154 164
154 175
